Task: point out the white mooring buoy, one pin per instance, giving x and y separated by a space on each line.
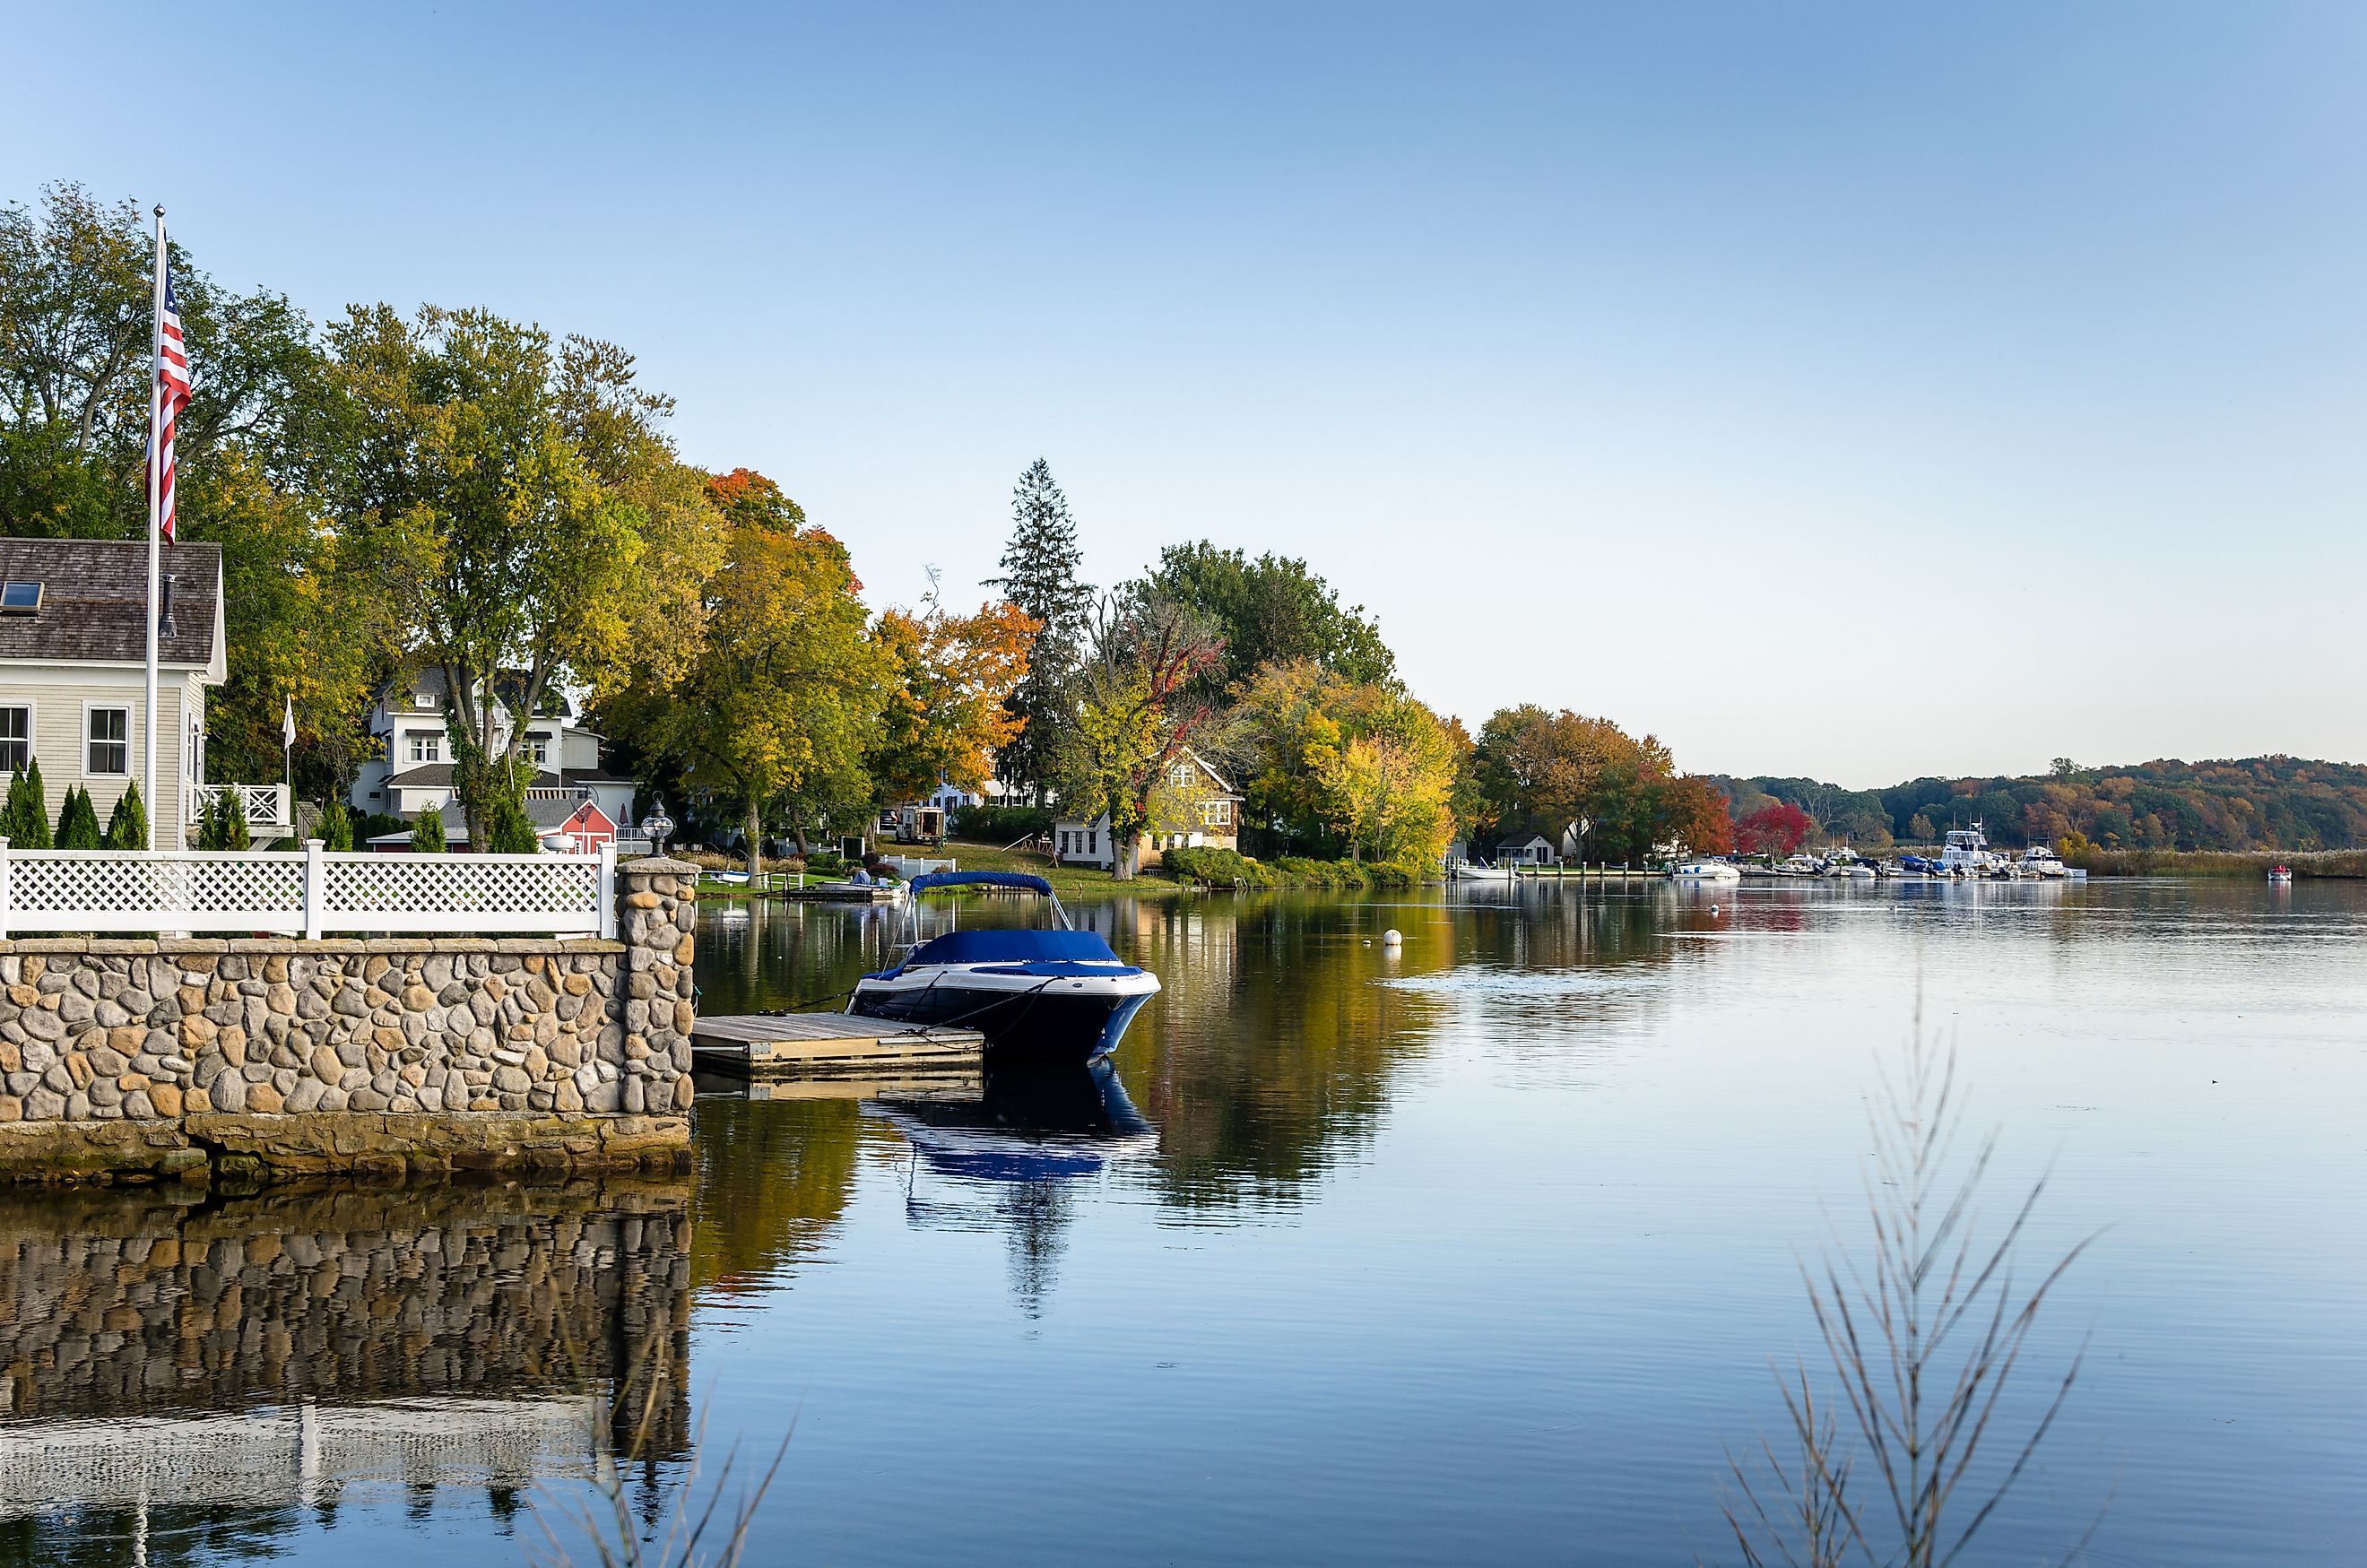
1392 938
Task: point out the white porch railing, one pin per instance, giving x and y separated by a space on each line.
306 893
265 805
911 866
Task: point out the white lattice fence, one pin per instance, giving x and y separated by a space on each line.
306 893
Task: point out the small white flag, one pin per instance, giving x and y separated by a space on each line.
288 721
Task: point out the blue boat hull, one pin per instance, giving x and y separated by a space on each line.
1039 1028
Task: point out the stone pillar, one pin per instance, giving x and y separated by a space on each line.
657 915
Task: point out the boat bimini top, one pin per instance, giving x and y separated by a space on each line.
1018 879
1062 952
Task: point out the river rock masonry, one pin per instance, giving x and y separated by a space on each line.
124 1059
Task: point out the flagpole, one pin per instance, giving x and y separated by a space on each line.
156 559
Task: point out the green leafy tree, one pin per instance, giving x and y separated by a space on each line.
946 704
1269 611
78 822
1343 765
531 525
427 832
1039 575
127 825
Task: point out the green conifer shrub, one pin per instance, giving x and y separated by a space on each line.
427 833
337 828
127 825
28 810
78 822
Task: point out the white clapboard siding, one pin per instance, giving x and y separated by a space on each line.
306 893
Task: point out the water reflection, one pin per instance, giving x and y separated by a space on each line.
184 1369
1001 1162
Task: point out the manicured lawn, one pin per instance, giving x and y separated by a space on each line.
1067 881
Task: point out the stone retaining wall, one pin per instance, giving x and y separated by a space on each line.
344 1052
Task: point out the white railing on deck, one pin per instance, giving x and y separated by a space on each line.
306 893
265 805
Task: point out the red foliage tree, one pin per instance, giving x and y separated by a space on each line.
1779 829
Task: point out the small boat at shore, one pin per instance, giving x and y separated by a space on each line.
2280 874
1704 871
2040 861
1043 995
1469 871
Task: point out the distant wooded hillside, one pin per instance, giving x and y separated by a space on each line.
2255 803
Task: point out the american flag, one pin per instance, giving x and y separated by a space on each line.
172 397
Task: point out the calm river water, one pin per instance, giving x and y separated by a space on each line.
1482 1252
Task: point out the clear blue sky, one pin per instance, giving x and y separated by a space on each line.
1858 392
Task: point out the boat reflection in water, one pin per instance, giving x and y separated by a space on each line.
1009 1161
1027 1126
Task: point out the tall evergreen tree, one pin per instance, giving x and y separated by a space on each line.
78 822
127 825
1039 575
27 818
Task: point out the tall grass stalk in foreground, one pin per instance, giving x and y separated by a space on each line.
622 1538
1924 1334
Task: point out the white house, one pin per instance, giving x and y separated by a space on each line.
414 769
1526 849
74 663
1195 808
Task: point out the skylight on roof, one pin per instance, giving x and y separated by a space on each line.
21 598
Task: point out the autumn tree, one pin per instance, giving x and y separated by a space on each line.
1690 815
946 711
1343 765
1039 575
1546 770
1778 827
783 688
1139 709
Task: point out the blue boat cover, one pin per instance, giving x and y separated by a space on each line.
988 945
980 879
1061 968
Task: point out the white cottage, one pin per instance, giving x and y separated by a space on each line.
1195 808
413 770
74 675
1526 849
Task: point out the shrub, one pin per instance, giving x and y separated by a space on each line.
997 824
26 816
1215 868
337 827
78 822
368 825
233 821
127 825
427 833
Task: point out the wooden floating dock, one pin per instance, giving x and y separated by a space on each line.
838 893
834 1046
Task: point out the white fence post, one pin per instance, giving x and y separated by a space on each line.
608 893
316 889
3 888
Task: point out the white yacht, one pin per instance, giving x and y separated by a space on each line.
1967 853
2040 861
1704 871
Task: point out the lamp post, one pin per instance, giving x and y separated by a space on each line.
656 826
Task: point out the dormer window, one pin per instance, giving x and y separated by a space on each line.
422 700
21 598
1180 775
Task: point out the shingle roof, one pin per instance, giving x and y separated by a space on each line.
94 597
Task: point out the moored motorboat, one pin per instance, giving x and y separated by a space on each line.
1704 871
2041 862
1469 871
2278 873
1043 995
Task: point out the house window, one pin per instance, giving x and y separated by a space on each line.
426 746
422 700
1180 775
1064 840
109 748
536 750
15 737
1216 813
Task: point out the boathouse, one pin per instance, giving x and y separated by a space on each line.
1526 849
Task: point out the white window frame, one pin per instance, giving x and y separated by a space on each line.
1182 775
426 746
1216 813
32 728
536 748
88 711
